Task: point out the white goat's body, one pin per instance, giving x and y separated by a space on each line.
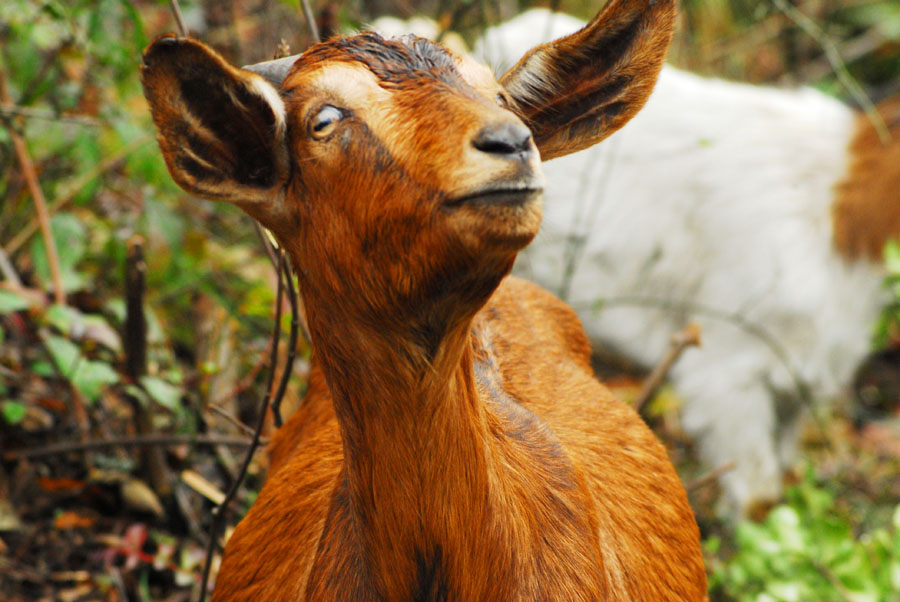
712 205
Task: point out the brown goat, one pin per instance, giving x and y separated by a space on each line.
453 444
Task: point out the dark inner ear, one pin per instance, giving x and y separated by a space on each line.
577 90
591 64
242 126
219 132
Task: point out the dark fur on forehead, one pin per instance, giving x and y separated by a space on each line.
395 62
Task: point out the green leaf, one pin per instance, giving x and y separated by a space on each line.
41 368
63 318
92 377
10 301
138 393
66 354
892 256
785 523
895 574
884 16
88 376
165 394
70 237
13 411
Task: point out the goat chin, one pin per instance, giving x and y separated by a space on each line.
716 204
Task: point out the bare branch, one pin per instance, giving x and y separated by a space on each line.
8 111
310 20
689 336
840 68
292 340
219 512
179 20
237 423
133 441
8 270
74 188
710 477
40 203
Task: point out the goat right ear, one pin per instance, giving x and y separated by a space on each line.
221 129
578 90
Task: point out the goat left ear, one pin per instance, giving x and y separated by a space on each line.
578 90
221 129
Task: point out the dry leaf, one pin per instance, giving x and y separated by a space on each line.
72 520
53 485
9 520
203 487
138 496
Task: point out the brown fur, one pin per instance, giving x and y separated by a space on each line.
866 212
601 86
550 471
453 444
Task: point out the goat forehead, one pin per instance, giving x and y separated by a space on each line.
396 63
374 78
344 83
477 75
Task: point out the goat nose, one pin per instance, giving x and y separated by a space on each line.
504 139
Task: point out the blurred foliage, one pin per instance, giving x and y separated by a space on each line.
887 330
75 66
808 549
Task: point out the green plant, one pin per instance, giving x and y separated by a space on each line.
808 550
887 329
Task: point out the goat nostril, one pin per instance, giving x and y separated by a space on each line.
503 139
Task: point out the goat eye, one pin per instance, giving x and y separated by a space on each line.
324 122
501 100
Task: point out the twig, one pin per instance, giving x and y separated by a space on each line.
8 111
135 330
851 50
298 315
268 245
736 320
241 386
840 68
180 493
710 477
8 270
219 512
119 582
37 195
689 336
292 342
276 327
846 595
179 20
133 441
134 338
310 20
11 567
72 190
240 425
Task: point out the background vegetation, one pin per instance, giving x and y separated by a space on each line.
128 521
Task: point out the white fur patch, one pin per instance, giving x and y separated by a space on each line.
264 89
713 204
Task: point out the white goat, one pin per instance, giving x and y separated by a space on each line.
754 211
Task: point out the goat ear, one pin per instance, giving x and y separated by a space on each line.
578 90
221 129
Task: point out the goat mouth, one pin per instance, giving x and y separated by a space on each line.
497 197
